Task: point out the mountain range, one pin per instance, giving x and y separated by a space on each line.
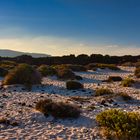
11 53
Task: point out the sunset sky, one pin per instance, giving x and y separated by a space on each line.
62 27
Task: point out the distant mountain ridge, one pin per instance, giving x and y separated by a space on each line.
11 53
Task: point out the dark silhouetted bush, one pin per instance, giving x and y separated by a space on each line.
114 79
57 109
72 85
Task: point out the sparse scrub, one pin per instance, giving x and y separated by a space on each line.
103 91
127 82
58 109
94 66
137 72
4 121
72 85
3 72
8 65
125 96
123 125
77 77
23 74
46 70
77 68
65 74
114 79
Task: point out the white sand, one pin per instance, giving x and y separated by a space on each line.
18 105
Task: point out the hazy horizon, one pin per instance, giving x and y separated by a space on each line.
59 27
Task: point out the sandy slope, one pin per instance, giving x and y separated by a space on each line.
18 105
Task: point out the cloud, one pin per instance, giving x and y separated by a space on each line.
63 46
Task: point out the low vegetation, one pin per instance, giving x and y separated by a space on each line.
46 70
77 77
94 66
114 79
3 72
65 74
137 72
72 85
7 65
125 96
23 74
76 67
103 91
127 82
120 124
58 109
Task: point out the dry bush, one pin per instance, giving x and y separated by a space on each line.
58 109
72 85
22 74
46 70
103 91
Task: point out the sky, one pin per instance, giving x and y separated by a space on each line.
63 27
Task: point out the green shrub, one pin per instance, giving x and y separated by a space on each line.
127 82
103 91
57 109
137 72
125 96
46 70
123 124
23 74
72 85
114 79
3 72
65 74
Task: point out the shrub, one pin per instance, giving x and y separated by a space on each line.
46 70
137 72
94 66
114 78
72 85
7 64
4 121
109 66
3 72
77 77
123 124
103 91
57 109
91 66
23 74
127 82
65 74
76 67
125 96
